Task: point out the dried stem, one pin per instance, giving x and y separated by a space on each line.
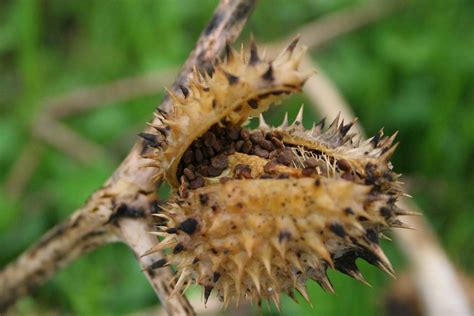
435 277
128 193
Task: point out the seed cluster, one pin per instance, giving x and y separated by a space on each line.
208 155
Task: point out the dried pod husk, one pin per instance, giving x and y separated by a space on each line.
257 213
239 87
267 236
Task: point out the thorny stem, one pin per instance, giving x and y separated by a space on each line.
119 210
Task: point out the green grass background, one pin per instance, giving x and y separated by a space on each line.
412 72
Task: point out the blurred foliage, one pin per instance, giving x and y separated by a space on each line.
412 72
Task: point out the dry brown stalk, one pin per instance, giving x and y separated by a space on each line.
127 194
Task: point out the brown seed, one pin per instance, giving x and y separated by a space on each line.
244 134
283 176
209 138
188 156
189 174
278 135
243 171
344 165
268 135
233 131
238 145
310 163
256 137
230 148
266 144
214 172
203 170
269 167
218 130
219 162
266 176
210 152
198 155
307 171
285 157
196 183
217 146
246 147
278 143
259 151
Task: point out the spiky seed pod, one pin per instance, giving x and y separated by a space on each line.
238 88
257 213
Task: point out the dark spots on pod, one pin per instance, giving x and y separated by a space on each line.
337 229
184 90
214 251
372 236
284 235
254 59
386 212
163 130
172 230
317 182
392 200
188 226
158 264
214 103
231 79
253 103
370 176
375 140
268 75
207 292
216 276
203 198
362 218
349 211
346 263
228 52
195 260
345 128
178 248
162 112
151 140
156 207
